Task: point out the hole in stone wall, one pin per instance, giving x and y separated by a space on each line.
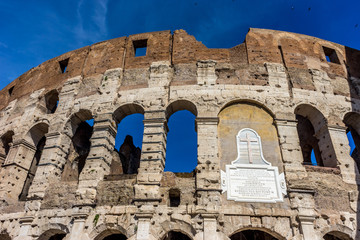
115 237
174 197
354 143
173 235
140 47
126 158
330 55
252 234
6 141
52 101
10 91
63 65
181 148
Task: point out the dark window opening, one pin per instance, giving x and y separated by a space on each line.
174 197
57 237
331 55
140 47
173 235
6 141
308 142
11 90
115 237
32 171
63 65
52 101
252 234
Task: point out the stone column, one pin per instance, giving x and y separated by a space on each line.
307 227
206 72
290 149
99 159
143 227
25 228
51 163
210 226
77 230
152 160
341 146
278 79
15 169
208 187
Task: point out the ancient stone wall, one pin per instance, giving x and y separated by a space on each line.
62 179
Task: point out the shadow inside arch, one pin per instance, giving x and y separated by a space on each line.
256 234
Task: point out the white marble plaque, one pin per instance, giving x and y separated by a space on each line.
250 178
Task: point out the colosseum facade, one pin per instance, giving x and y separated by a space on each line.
262 109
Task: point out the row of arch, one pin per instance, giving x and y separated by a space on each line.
314 138
242 234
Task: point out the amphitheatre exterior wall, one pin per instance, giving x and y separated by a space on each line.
263 83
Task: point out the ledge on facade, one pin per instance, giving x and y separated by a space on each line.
331 170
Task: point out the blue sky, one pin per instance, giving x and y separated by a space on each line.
35 31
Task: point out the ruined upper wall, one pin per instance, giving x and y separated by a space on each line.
242 64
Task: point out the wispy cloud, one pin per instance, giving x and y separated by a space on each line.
3 45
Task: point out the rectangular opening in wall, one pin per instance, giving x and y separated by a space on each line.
140 47
11 90
63 65
331 55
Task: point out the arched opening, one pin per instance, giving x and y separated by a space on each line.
52 101
5 144
352 121
52 234
181 147
175 235
36 135
115 237
314 137
335 235
4 236
81 125
128 140
252 234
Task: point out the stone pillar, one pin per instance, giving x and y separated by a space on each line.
307 227
210 226
77 230
143 227
341 146
321 81
278 79
15 169
304 202
99 159
25 228
208 187
290 149
152 160
51 163
206 72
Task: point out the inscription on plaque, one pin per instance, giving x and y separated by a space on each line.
250 178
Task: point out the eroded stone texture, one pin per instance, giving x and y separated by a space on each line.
62 179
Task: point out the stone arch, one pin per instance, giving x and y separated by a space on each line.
75 119
320 43
80 133
5 143
36 137
337 232
126 110
49 231
314 136
105 229
239 114
179 105
248 101
283 35
176 226
266 233
352 122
